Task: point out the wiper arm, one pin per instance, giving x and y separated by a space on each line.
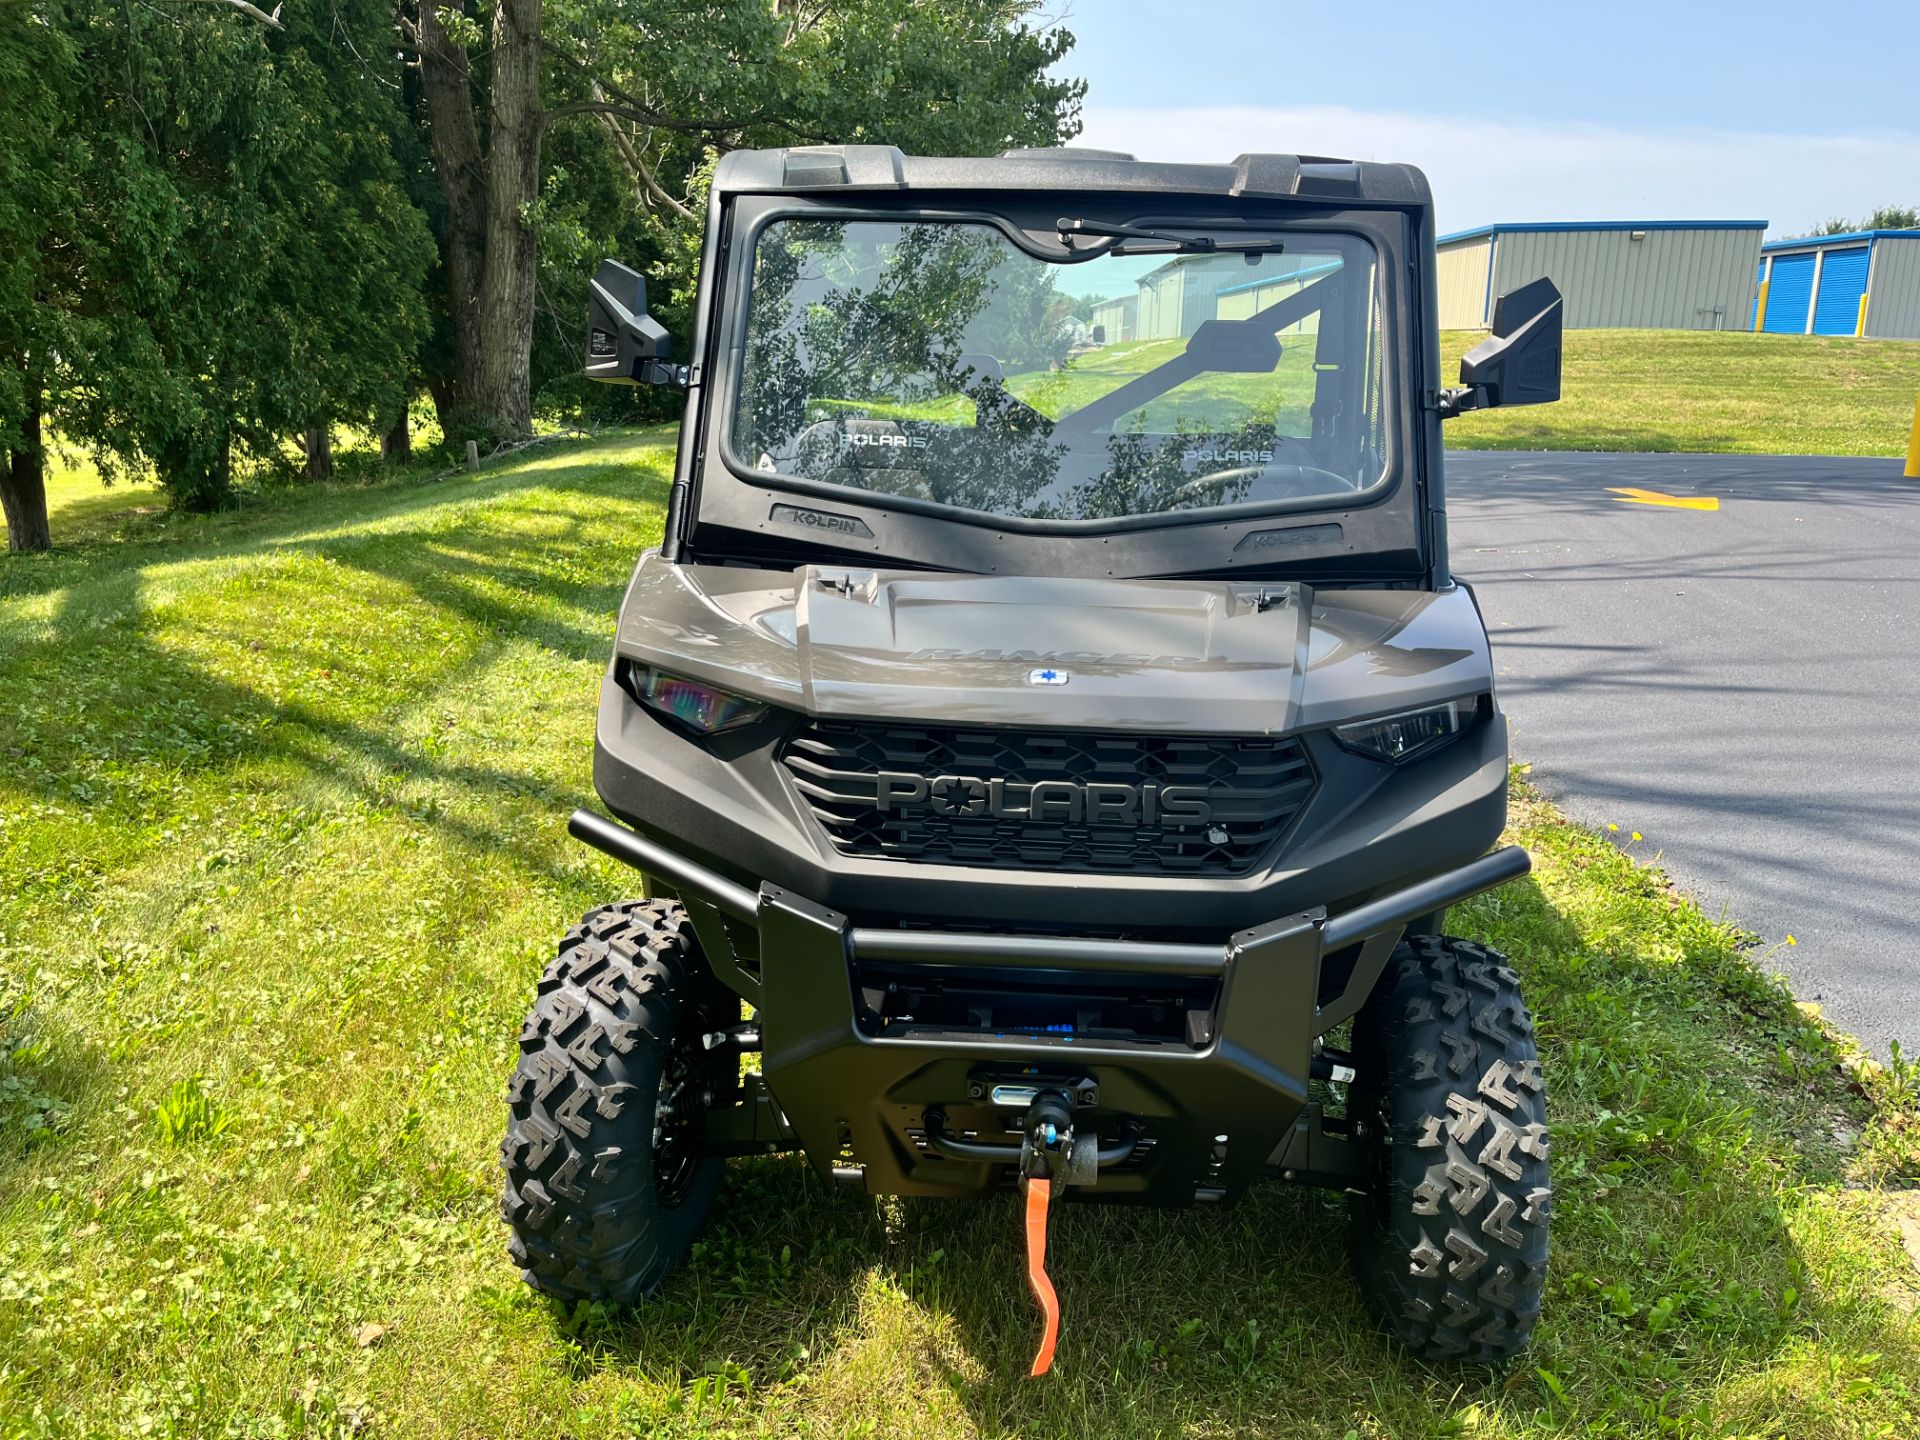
1173 243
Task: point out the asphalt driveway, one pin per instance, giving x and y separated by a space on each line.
1739 684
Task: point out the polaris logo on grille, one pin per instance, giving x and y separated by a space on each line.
1045 802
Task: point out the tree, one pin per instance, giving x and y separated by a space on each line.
35 63
1887 217
238 260
665 82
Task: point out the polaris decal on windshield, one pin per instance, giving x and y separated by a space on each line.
1227 457
887 442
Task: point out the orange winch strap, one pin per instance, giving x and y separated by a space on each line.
1038 1192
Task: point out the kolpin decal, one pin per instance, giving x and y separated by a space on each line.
826 520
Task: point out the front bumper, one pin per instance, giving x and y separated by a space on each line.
1210 1086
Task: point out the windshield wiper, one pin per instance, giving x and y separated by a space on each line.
1163 241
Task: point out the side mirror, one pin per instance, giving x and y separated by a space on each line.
1519 363
626 345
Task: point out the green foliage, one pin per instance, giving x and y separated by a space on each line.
250 262
934 77
36 66
1887 217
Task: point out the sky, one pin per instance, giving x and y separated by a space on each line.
1556 110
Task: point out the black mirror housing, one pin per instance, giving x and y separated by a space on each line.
1519 363
626 345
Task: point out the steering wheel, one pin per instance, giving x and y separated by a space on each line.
1198 487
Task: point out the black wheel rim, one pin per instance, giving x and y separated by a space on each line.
679 1119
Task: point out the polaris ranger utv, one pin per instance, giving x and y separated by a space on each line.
1049 730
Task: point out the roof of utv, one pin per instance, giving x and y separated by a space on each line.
882 167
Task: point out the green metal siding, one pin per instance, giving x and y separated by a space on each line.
1669 279
1893 301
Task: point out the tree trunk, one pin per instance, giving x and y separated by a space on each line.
446 81
318 443
446 407
504 339
397 444
23 483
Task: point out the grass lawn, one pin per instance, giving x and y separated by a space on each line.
1722 392
281 806
1643 390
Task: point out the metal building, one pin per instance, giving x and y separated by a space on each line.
1173 300
1615 274
1117 318
1864 283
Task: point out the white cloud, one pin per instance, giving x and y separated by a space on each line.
1487 170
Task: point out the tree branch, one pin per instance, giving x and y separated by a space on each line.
615 101
247 7
637 163
641 115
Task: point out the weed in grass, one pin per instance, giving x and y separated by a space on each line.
187 1113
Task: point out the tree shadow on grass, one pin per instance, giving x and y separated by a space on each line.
106 710
588 469
1676 1277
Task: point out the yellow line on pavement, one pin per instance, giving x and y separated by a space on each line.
1630 496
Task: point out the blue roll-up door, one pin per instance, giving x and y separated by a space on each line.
1843 280
1789 294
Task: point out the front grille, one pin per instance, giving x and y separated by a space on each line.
1125 805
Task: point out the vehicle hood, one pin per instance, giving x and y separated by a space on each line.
1163 655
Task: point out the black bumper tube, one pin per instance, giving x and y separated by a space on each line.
933 947
735 901
1426 896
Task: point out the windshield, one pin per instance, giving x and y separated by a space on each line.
940 363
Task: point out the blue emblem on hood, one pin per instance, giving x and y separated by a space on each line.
1049 676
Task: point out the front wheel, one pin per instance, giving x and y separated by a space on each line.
606 1188
1450 1241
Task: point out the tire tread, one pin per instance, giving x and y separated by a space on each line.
579 1197
1452 1245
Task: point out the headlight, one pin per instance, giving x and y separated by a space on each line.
701 708
1409 735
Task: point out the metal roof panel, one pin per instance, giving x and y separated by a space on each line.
1548 226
